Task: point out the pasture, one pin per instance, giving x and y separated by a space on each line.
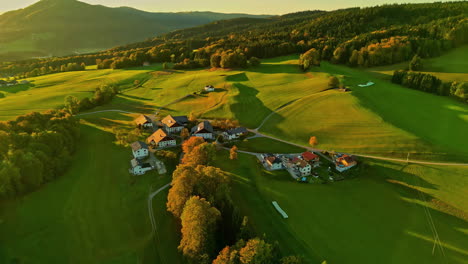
382 216
95 213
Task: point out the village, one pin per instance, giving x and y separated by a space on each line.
169 132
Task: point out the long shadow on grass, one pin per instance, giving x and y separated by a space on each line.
277 68
248 109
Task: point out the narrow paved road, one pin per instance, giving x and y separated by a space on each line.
150 205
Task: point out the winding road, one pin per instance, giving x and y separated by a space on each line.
150 205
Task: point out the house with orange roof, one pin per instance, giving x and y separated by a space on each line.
160 139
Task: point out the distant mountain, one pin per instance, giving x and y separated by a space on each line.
59 27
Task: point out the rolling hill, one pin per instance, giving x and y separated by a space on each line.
61 27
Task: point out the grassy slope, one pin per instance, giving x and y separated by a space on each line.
49 91
363 220
381 118
93 214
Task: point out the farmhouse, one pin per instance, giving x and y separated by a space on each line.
304 168
140 150
312 158
161 139
344 162
174 124
209 88
235 133
140 168
274 162
14 82
144 121
204 130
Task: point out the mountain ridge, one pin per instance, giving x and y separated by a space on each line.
62 27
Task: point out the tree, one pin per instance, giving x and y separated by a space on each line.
333 82
136 83
191 143
192 117
202 154
415 63
198 221
165 66
72 104
254 61
257 251
184 133
313 141
233 153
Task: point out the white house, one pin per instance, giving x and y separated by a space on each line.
24 82
304 168
209 88
235 133
204 130
140 150
174 124
274 162
139 168
144 121
161 139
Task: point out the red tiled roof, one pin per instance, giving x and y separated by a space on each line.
309 156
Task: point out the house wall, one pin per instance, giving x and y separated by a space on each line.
138 170
168 143
141 153
204 135
173 129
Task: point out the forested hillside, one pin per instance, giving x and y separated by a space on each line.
62 27
358 37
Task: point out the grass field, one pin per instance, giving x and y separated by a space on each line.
49 91
452 66
95 213
378 217
384 118
369 219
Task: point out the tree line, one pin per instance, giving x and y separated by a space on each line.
211 226
102 95
431 84
355 36
35 149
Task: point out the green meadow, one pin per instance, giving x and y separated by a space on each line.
96 212
385 215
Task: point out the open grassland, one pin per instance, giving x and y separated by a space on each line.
384 118
95 213
266 145
379 217
49 91
452 66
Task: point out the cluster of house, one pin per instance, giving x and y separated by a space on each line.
302 165
12 83
298 165
164 131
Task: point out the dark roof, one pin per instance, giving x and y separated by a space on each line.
138 145
203 127
273 159
181 119
174 121
143 119
237 130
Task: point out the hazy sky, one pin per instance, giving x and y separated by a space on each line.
225 6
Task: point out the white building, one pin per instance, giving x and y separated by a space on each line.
274 162
204 130
235 133
209 88
139 168
140 150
